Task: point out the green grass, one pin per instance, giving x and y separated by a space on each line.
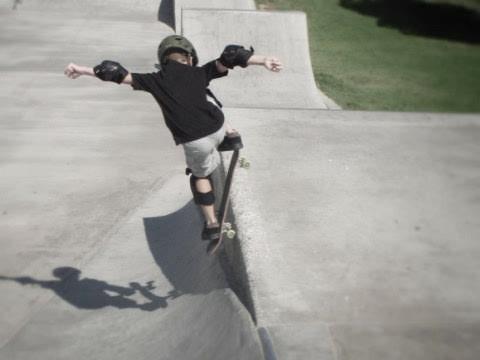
364 66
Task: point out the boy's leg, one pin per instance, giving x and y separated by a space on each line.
202 159
204 186
204 197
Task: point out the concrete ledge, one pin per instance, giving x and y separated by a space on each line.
358 223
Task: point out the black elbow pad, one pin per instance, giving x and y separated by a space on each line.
110 71
235 55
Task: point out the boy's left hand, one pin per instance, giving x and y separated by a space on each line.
272 64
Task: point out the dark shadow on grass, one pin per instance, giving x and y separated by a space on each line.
416 17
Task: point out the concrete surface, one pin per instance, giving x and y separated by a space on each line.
91 180
360 232
131 10
181 5
357 231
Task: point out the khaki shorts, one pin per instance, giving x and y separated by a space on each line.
201 155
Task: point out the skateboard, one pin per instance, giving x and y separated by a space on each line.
226 228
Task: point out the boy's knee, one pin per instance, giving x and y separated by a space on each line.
202 198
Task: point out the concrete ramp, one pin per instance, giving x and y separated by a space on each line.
181 5
283 34
101 256
145 291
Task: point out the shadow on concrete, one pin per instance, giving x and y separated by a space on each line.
166 12
96 294
15 4
416 17
174 241
178 252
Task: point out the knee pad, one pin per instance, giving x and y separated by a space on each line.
201 198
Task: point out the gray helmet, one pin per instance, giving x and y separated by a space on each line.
175 42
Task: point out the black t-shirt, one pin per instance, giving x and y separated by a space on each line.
181 92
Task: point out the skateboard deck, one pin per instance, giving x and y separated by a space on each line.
226 228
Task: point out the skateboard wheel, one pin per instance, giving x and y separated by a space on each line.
231 234
244 163
227 226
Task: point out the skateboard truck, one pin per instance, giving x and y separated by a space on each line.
228 230
244 163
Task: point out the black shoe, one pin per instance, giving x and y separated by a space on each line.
210 234
231 142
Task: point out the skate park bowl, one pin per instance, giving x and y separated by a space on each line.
356 231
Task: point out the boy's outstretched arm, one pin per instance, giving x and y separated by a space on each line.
106 71
270 62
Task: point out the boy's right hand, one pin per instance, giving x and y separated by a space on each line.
73 71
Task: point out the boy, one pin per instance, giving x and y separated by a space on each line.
191 111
